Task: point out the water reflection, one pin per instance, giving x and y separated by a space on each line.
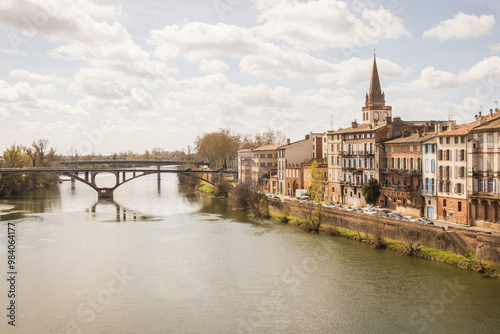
106 207
38 201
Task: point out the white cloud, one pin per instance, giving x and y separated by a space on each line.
322 24
32 76
487 69
22 99
197 40
462 26
430 78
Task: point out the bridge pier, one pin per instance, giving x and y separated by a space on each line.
104 192
158 180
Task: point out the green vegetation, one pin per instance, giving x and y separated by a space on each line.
371 191
207 188
313 210
36 155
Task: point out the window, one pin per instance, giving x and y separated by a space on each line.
262 164
262 156
490 140
444 203
460 205
462 140
447 140
392 149
404 149
426 165
411 148
456 140
433 166
247 163
399 149
440 140
418 148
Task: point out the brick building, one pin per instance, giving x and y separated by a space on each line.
401 172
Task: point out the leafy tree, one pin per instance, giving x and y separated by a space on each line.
371 191
313 209
14 157
218 148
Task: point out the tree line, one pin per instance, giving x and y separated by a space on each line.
220 148
38 154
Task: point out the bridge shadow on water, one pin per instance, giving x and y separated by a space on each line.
117 213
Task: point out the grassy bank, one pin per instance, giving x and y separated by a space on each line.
206 188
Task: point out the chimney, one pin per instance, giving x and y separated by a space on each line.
479 114
288 141
438 127
491 112
452 125
354 124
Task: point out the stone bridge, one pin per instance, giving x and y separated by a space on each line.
88 175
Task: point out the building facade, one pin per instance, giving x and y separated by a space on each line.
245 160
451 174
483 175
292 155
401 173
429 177
264 164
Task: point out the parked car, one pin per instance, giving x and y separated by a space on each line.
410 218
426 221
358 210
328 205
395 216
382 214
369 211
188 169
348 208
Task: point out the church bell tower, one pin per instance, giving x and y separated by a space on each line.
375 111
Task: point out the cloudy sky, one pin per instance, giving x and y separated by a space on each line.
105 76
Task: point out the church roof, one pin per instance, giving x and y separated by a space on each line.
375 95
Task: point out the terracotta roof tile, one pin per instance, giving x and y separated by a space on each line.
464 129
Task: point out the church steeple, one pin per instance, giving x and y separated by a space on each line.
375 110
375 95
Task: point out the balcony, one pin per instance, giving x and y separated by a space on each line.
358 153
480 194
428 192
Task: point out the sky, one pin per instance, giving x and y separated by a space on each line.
112 76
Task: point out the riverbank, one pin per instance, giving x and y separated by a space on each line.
411 239
26 183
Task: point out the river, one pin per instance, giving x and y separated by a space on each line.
172 261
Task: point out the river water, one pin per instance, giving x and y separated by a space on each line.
172 261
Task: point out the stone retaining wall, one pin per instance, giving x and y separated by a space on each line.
486 246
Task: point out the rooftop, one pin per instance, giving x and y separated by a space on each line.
267 148
360 128
464 129
493 125
412 138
